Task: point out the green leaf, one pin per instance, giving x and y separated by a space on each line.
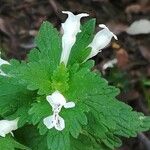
8 143
48 42
22 114
86 142
75 118
79 51
35 75
38 112
60 79
33 56
13 95
112 118
58 140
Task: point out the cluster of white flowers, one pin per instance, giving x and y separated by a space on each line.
70 29
57 101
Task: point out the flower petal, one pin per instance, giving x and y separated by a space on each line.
101 40
2 134
2 73
70 29
69 105
49 122
2 62
72 24
104 27
60 124
56 99
7 126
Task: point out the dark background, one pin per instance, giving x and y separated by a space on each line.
21 19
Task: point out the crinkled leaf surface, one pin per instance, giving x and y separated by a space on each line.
13 95
113 118
35 75
48 42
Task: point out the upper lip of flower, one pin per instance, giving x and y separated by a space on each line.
57 101
104 27
72 26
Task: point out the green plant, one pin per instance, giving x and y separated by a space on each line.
38 91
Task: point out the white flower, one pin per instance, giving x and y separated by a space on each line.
101 40
7 126
54 121
57 101
70 29
2 62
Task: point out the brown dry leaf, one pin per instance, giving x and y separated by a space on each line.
142 7
121 55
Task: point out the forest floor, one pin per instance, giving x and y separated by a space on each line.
21 19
